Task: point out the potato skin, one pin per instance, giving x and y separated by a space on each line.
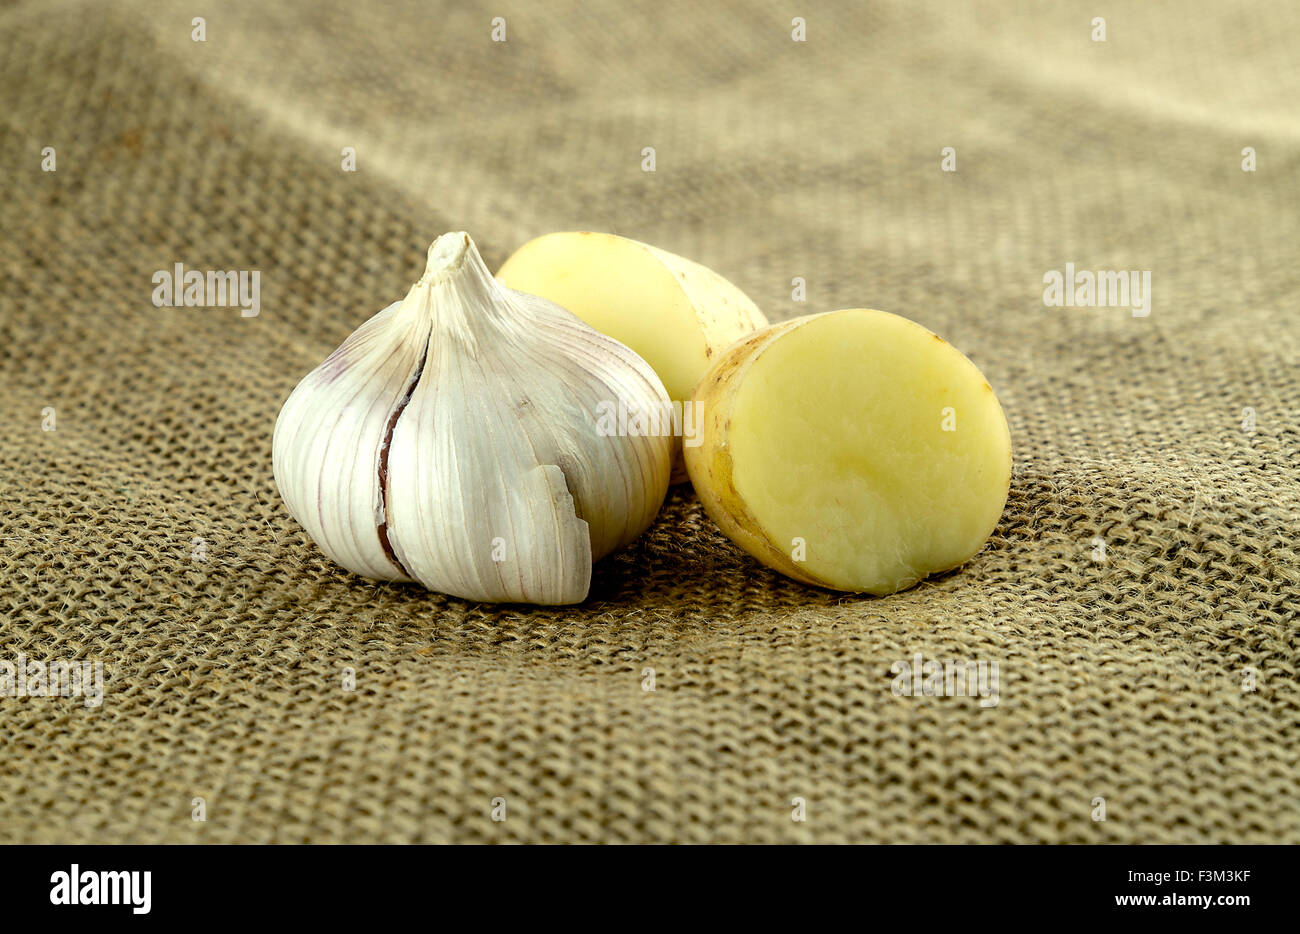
709 463
724 312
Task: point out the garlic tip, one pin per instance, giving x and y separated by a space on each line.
446 254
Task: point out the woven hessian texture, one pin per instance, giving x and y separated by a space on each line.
145 530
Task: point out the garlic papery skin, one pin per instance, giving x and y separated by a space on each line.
453 440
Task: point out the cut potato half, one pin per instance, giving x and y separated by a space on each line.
676 314
854 450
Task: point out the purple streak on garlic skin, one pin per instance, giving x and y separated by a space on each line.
335 365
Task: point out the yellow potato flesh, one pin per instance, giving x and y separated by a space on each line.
827 455
621 289
677 315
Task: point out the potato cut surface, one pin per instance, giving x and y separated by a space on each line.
854 449
621 289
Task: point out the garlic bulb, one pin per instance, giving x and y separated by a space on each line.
454 440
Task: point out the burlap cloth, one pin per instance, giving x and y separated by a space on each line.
145 530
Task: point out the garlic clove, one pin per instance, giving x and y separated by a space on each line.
467 421
328 439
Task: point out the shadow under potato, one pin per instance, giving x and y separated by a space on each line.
685 558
